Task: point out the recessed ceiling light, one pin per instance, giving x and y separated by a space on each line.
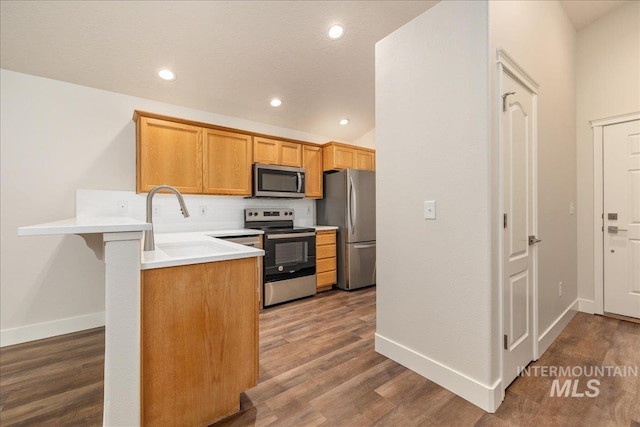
336 31
275 102
166 74
344 122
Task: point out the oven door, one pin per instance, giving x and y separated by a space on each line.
278 181
289 255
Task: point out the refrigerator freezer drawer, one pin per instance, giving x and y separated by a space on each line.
360 265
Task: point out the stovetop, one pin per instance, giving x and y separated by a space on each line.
272 220
280 229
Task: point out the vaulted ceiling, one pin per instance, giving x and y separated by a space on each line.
230 57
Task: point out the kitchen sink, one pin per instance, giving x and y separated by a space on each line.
196 248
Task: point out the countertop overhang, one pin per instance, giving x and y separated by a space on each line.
85 225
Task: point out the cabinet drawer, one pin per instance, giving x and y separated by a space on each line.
326 264
325 238
325 251
326 278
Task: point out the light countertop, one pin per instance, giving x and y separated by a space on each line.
87 225
175 249
325 227
172 249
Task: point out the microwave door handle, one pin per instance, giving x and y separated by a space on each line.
352 205
299 182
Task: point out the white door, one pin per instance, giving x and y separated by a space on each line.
518 127
621 180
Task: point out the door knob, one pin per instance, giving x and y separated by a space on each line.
614 229
533 240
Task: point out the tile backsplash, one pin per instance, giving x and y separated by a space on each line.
207 212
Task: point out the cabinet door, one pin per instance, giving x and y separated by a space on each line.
265 150
312 163
227 163
339 157
326 273
199 341
290 154
365 160
168 153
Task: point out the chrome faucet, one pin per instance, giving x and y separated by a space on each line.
149 242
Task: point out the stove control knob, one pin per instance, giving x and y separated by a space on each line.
280 268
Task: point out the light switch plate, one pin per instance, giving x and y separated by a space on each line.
430 209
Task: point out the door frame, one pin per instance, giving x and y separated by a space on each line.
597 127
506 64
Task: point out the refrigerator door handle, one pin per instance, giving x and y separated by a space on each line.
370 245
352 205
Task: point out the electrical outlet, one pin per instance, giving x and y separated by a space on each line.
202 210
123 206
308 210
572 208
560 289
157 211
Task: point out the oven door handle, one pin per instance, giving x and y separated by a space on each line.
289 235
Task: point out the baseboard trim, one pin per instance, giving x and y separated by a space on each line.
485 397
586 306
552 332
50 329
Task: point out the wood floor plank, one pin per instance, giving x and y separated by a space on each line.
318 367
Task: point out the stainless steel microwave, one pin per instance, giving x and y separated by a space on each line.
278 181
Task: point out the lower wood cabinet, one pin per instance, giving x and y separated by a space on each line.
199 341
326 270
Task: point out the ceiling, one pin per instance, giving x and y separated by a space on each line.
584 12
230 57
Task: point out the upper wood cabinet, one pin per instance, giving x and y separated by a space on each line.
227 163
194 159
365 160
168 153
275 152
343 156
312 163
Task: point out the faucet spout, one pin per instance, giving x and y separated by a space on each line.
149 241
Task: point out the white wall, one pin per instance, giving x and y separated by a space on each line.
438 299
608 66
434 305
55 138
539 36
367 140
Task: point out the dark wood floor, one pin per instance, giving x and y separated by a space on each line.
318 367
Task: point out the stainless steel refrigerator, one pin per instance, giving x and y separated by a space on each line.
350 203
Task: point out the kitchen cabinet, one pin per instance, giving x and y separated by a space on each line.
227 163
168 153
276 152
365 160
199 341
312 164
326 267
343 156
194 159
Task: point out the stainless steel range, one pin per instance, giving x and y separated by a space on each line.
289 264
